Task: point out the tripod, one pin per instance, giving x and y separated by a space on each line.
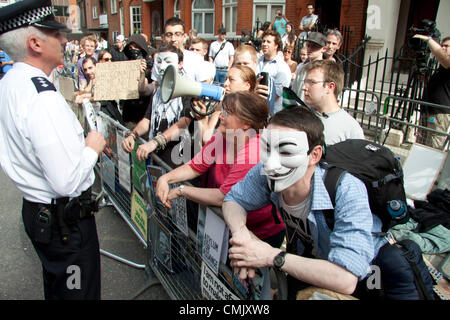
414 84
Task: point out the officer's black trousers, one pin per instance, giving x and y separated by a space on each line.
71 270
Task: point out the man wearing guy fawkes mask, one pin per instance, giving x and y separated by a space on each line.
160 116
289 176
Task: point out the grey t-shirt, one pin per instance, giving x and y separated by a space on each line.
340 126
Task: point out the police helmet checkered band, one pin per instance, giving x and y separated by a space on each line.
26 13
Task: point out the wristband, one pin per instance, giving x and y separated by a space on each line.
133 134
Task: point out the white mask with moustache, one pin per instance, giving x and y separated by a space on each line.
285 158
162 61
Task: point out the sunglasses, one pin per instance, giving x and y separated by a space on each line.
288 51
106 59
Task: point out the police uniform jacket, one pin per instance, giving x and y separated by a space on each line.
42 145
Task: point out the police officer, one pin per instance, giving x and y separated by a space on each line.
44 152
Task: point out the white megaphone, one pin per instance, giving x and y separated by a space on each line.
174 85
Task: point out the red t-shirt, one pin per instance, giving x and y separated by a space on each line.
224 174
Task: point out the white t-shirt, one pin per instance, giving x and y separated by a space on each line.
191 63
306 21
340 126
223 57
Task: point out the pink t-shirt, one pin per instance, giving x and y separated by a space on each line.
224 174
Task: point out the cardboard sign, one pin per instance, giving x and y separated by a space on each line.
117 80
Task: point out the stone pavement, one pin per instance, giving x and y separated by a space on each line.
21 271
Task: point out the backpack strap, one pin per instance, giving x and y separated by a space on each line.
332 179
418 281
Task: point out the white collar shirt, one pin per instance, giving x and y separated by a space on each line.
42 147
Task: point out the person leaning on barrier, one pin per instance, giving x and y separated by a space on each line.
289 176
44 152
437 91
88 66
89 44
159 116
225 159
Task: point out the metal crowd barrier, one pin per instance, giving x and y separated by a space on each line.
187 247
366 113
421 133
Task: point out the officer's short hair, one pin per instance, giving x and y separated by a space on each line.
14 42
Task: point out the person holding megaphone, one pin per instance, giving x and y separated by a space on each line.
160 115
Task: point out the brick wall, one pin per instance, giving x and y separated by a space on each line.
354 14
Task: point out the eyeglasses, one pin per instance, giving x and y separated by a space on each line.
170 34
310 82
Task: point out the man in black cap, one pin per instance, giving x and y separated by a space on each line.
316 46
221 53
44 152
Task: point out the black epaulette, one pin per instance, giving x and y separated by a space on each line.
42 84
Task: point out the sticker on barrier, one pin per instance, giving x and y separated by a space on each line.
188 244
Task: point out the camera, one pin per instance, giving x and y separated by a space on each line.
421 49
429 29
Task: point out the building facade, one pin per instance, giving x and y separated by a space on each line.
386 22
112 17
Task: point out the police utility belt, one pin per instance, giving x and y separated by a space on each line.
62 213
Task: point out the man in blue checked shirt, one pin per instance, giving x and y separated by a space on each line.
289 175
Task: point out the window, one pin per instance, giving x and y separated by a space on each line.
176 9
230 15
94 12
135 20
265 11
113 6
203 16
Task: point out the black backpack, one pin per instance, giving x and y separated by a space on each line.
378 168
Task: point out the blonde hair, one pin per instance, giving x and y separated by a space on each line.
89 38
247 75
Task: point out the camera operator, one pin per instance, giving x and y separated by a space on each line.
437 91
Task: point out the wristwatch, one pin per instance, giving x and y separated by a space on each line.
278 261
181 187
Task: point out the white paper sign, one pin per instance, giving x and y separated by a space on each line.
213 288
213 240
124 162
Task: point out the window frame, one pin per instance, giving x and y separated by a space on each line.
269 5
132 19
203 11
230 5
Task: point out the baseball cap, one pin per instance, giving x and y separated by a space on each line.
317 38
38 13
120 37
222 30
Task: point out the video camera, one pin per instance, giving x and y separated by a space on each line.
421 49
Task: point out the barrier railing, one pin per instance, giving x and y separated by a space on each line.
365 107
425 134
188 244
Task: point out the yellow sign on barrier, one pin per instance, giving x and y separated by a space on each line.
139 213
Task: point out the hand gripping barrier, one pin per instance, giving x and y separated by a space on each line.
187 245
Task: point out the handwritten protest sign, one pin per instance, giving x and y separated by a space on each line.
117 80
